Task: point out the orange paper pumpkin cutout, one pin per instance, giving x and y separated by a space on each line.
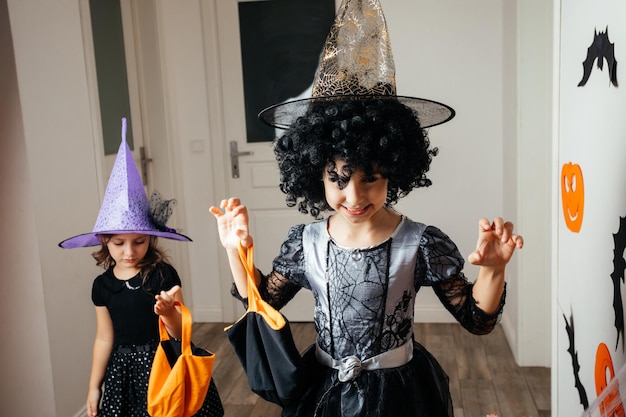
611 404
572 196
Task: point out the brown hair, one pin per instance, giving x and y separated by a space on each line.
154 255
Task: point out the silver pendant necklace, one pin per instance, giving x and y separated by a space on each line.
130 287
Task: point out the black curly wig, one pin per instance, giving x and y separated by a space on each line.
371 135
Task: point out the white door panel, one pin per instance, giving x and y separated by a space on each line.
134 123
257 181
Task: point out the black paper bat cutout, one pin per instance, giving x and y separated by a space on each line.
619 264
569 326
601 48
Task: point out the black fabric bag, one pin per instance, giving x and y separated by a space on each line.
264 345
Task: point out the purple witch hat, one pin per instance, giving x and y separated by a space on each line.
125 208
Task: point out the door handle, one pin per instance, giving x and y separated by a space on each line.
234 158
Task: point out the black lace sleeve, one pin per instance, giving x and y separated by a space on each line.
274 288
440 265
288 275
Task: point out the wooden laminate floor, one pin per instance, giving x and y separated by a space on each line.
484 378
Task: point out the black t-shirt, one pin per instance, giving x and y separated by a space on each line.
131 304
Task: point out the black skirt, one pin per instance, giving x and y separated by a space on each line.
126 381
417 389
126 385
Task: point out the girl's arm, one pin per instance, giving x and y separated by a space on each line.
488 288
168 312
232 224
496 244
102 347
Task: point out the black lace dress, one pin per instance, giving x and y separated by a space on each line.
364 307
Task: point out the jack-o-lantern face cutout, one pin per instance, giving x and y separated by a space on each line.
610 403
572 196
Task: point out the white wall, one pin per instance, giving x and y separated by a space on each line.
590 134
448 52
478 172
528 174
50 180
22 310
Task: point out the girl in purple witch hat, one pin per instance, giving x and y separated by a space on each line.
351 152
139 285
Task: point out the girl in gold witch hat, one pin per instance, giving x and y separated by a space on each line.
351 151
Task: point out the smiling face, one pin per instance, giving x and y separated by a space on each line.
128 250
355 195
572 196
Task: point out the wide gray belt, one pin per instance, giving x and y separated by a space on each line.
351 366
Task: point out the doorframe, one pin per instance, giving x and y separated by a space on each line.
92 89
231 308
145 124
134 96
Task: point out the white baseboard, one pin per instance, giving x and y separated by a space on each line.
511 336
433 314
82 412
206 315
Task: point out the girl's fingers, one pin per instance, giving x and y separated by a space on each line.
230 203
484 225
172 291
507 232
228 206
474 257
169 296
498 226
166 299
493 238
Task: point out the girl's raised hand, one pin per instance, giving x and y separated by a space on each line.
232 223
496 243
164 305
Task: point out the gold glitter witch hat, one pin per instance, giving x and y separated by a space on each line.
356 63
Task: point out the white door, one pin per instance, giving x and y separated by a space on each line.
256 181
